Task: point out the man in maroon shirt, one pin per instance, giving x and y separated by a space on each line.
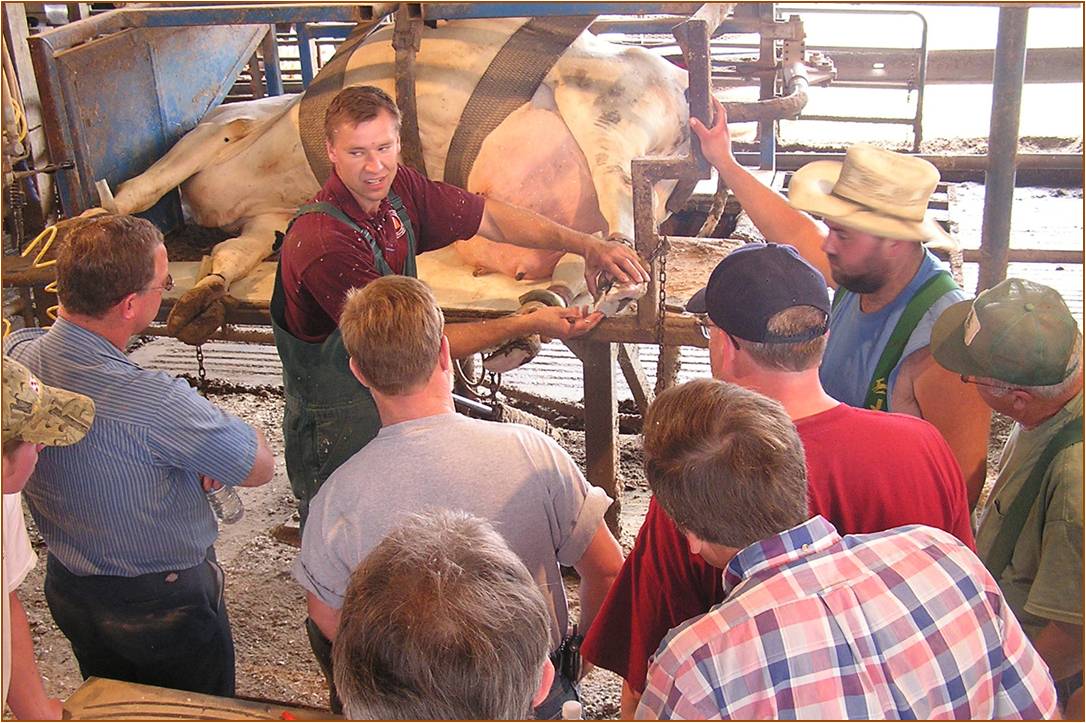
765 313
371 218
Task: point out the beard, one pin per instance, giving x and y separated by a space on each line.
865 283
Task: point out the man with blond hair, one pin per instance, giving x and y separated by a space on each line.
1018 343
426 456
370 219
484 652
890 288
901 624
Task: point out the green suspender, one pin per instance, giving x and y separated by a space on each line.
378 257
1003 548
922 300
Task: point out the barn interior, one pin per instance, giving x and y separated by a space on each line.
95 93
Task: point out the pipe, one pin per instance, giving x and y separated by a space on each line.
1008 75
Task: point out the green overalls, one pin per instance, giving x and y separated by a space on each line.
328 414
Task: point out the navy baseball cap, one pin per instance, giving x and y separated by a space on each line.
757 281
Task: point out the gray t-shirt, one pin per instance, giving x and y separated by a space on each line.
515 477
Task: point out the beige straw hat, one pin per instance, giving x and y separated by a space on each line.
875 191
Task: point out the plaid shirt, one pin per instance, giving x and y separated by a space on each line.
905 623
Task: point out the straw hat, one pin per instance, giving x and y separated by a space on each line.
875 191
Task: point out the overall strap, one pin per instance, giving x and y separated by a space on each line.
928 293
337 213
1014 521
409 266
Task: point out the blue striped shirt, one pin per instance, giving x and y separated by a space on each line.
126 500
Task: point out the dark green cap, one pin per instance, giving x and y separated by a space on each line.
1018 332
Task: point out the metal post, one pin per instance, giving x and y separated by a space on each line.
1008 74
273 77
305 53
767 56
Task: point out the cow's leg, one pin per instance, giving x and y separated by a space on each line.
207 143
202 309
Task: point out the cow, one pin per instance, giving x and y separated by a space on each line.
566 153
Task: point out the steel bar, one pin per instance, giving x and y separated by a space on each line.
1008 76
460 11
273 78
1024 161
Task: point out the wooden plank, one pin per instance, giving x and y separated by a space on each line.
630 363
601 423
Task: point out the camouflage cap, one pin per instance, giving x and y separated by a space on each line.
37 413
1019 332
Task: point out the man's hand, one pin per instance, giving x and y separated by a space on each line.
614 258
716 142
555 322
209 484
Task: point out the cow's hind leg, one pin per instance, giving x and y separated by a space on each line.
202 309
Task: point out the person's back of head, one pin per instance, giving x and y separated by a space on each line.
772 303
725 463
103 260
441 621
392 330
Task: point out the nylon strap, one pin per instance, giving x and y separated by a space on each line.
509 82
928 293
318 96
1014 522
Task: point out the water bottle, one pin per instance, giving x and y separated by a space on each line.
226 504
572 710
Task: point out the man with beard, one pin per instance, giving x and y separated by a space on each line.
890 288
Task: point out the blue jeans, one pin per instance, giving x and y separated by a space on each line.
168 629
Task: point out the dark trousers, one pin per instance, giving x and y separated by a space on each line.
168 629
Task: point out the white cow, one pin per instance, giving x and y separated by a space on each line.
566 154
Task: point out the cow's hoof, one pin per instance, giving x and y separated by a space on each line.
512 354
619 296
199 312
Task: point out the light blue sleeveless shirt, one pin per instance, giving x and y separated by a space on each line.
857 339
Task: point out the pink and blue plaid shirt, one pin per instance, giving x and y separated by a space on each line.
900 624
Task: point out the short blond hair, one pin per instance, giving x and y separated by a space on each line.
392 329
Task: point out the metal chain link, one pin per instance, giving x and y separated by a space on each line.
16 202
201 372
661 253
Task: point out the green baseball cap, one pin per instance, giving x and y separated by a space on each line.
1018 332
40 414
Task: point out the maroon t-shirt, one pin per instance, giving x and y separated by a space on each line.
867 471
322 259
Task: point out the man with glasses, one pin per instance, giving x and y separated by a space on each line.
890 288
765 312
1018 343
132 578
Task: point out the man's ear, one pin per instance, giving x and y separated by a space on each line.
1020 399
545 683
444 355
357 373
127 306
693 542
330 151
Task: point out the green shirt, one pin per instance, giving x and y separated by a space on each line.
1044 580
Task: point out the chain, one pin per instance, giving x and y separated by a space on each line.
201 372
16 201
662 302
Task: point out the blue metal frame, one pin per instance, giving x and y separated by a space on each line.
463 11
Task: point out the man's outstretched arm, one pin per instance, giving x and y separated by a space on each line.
777 220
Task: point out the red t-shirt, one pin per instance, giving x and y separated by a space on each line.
867 471
322 259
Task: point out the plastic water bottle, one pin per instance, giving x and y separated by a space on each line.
572 710
226 504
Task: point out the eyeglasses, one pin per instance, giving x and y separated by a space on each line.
967 379
167 285
705 325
